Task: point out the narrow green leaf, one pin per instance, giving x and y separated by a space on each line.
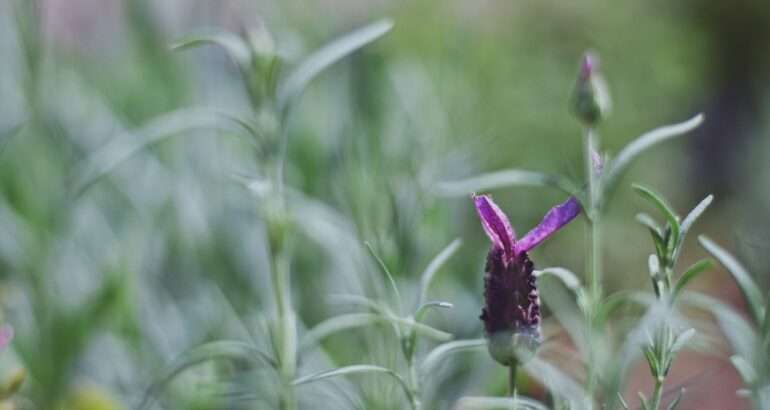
388 275
622 401
567 277
742 337
653 265
425 307
422 329
128 143
675 403
235 47
643 400
362 301
696 212
691 273
352 370
337 324
681 340
233 350
295 83
745 369
649 222
440 352
621 298
558 382
750 290
518 402
665 209
652 361
501 179
430 272
643 143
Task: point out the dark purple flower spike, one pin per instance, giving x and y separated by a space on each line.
511 313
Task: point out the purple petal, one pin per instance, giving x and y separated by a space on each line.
495 223
554 220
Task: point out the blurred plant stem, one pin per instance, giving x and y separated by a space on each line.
594 260
512 369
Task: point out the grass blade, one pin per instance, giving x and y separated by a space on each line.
430 272
295 83
748 287
500 179
643 143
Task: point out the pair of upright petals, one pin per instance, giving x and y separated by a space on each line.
511 313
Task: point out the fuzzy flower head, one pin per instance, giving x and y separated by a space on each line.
511 313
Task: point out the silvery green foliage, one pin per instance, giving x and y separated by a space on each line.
750 340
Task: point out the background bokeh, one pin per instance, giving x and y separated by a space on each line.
106 285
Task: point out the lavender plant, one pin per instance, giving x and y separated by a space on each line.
271 102
749 339
602 174
667 337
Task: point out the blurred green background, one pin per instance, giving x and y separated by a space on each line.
106 285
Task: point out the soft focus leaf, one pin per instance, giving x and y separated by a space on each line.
296 82
691 273
664 208
337 324
696 212
742 337
233 350
388 275
614 301
643 143
650 223
433 267
559 383
519 402
425 307
567 277
675 403
422 329
126 144
352 370
748 287
440 353
682 339
502 179
747 372
234 45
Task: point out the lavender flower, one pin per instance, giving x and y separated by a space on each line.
591 99
511 314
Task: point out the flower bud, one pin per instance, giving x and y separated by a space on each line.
591 100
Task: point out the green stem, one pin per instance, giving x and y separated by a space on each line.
512 380
286 340
594 260
657 394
